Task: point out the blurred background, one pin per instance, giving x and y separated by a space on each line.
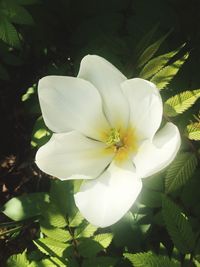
43 37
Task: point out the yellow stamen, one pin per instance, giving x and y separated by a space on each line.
123 145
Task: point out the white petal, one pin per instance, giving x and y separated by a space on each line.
107 79
105 200
153 156
145 104
73 156
71 103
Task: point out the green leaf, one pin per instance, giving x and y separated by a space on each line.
40 134
180 171
51 262
76 220
26 206
104 239
8 33
146 39
149 259
18 260
150 51
178 226
179 103
85 230
99 262
157 63
16 13
88 247
51 247
56 233
53 216
193 131
162 78
61 194
30 91
150 198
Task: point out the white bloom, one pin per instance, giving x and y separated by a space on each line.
105 132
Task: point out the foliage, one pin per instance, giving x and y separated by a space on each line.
39 38
150 260
179 103
180 171
178 226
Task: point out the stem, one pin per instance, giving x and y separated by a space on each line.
75 245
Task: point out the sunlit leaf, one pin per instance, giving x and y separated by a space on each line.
41 133
52 247
157 63
148 259
165 75
193 131
85 230
179 103
56 233
18 260
104 239
25 206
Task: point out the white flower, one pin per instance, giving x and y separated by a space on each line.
105 132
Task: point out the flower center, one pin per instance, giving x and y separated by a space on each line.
122 144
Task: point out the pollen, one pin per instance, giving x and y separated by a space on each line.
122 143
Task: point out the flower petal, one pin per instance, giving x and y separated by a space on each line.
107 79
73 156
145 106
105 200
153 156
70 103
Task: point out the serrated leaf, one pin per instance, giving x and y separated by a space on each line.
162 78
157 63
150 51
85 230
88 247
149 259
193 131
51 247
8 33
56 233
76 220
180 171
104 239
99 262
51 262
53 216
179 103
178 226
18 260
25 206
